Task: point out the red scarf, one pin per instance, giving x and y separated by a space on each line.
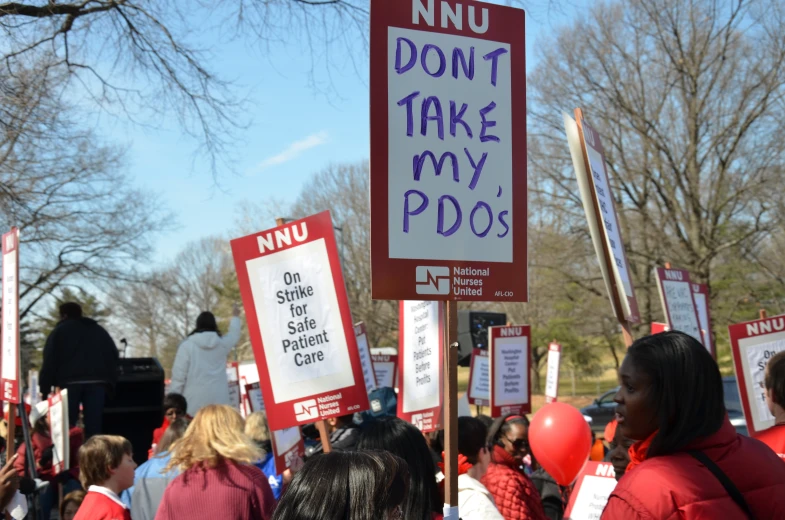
463 464
639 450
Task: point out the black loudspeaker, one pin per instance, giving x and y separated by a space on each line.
136 409
473 332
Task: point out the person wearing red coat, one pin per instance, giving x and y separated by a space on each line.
774 381
691 463
513 491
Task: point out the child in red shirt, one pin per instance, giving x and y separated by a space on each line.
774 381
106 469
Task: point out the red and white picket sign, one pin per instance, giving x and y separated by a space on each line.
233 378
677 301
552 376
479 390
421 351
591 492
11 389
288 446
60 428
365 356
385 367
700 295
299 322
510 360
657 327
255 399
753 343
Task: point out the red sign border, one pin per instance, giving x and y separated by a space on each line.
494 333
280 460
437 410
477 352
15 387
589 470
388 275
353 398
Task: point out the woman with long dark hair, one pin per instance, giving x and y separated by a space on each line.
689 462
199 370
400 438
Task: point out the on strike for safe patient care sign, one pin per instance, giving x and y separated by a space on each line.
448 147
299 322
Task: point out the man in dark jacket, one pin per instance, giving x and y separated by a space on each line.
80 356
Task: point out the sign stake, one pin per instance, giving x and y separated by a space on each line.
762 313
451 405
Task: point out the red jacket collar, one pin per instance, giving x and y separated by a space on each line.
500 456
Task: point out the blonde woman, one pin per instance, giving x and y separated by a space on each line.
218 479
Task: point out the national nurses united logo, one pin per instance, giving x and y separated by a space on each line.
432 279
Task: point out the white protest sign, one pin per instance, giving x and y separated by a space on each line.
365 357
479 391
677 301
700 294
552 377
385 366
288 445
59 427
255 400
510 359
591 492
11 389
32 378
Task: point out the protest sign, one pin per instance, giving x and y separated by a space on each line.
10 343
421 351
591 492
299 322
700 295
288 446
588 159
32 385
479 391
677 301
365 357
233 378
255 399
59 428
552 377
448 134
753 343
386 369
510 359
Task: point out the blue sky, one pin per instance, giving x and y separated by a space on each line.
296 131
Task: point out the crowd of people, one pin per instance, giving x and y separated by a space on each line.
673 449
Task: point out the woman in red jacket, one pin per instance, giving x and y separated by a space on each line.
690 463
513 491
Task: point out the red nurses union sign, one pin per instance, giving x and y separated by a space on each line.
10 329
510 361
299 322
448 151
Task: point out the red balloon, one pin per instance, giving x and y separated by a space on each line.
560 438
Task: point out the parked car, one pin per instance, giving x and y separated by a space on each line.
603 409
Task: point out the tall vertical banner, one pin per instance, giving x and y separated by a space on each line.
479 391
588 160
421 354
510 361
385 368
677 301
365 357
752 344
448 146
299 322
700 295
552 376
10 343
59 427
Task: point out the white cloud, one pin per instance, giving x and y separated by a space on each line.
293 151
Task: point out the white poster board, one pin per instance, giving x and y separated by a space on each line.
385 366
365 356
677 301
479 391
552 377
510 362
592 490
58 421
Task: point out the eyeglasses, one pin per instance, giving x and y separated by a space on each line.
518 444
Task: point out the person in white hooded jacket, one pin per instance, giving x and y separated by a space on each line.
199 370
475 502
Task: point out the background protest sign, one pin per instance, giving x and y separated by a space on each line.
588 159
591 492
421 351
365 357
677 301
479 390
233 377
657 327
700 295
59 427
753 343
510 359
299 322
448 135
255 399
32 385
552 377
288 446
10 342
386 369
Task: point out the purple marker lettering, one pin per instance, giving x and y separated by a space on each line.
457 118
487 208
503 223
424 117
409 116
500 192
477 168
442 61
487 124
494 57
420 208
419 160
468 71
458 216
412 55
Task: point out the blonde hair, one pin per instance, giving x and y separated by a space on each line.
99 455
256 427
216 434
